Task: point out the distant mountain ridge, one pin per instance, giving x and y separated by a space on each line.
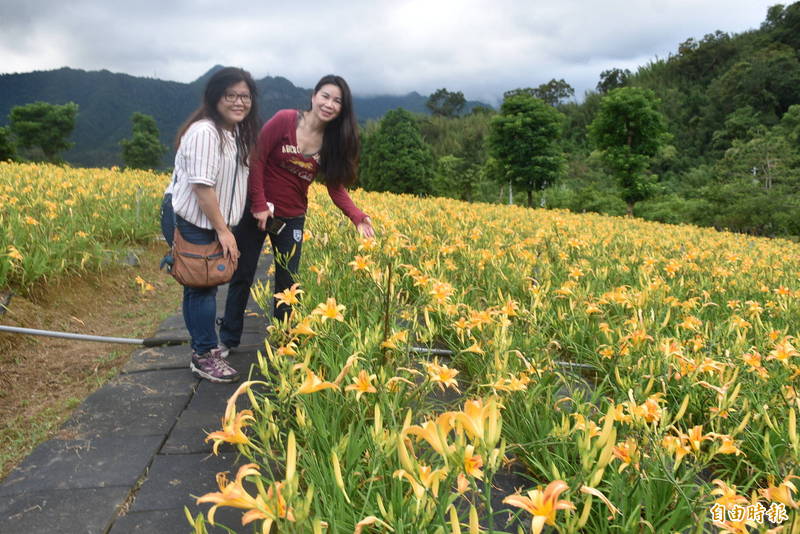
108 99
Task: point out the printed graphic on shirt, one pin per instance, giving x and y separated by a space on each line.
297 165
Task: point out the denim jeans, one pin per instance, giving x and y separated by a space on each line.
199 304
286 249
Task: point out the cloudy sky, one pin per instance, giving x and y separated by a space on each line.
480 47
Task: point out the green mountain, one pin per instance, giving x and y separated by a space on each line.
108 99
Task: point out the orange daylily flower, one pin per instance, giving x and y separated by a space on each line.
543 505
474 348
234 495
728 445
628 453
441 291
675 445
428 479
727 495
435 433
396 338
781 493
442 375
783 351
695 437
330 310
360 263
303 328
289 296
233 422
362 384
472 462
232 430
313 383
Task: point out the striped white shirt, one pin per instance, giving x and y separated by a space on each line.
199 161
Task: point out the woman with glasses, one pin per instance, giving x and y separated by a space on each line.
206 198
294 147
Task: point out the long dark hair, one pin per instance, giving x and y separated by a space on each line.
214 91
340 145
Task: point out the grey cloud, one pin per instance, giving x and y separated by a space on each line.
480 47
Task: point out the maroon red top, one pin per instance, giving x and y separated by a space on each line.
280 174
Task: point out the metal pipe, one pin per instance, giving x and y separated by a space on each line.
442 352
445 352
149 342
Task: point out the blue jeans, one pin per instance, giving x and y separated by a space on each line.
250 241
199 303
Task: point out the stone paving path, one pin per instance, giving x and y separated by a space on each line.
133 454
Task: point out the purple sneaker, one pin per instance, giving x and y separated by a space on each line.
213 368
222 351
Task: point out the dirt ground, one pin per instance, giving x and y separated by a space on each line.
43 379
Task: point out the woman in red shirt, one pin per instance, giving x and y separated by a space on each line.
294 147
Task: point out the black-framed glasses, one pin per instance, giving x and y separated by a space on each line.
231 98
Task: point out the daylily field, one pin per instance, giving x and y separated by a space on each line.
641 376
635 377
58 220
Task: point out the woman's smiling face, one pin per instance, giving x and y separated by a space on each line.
326 103
235 103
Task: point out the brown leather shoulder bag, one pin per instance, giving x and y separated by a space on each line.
200 265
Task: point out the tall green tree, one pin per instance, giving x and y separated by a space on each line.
459 148
143 150
8 150
612 79
524 140
445 103
395 158
44 126
552 92
629 130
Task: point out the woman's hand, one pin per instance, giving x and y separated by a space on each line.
365 228
261 219
228 242
262 216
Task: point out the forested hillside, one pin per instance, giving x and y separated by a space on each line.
107 100
724 150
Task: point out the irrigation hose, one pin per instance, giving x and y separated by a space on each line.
147 342
445 352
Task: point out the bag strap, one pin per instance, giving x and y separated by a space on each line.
235 175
